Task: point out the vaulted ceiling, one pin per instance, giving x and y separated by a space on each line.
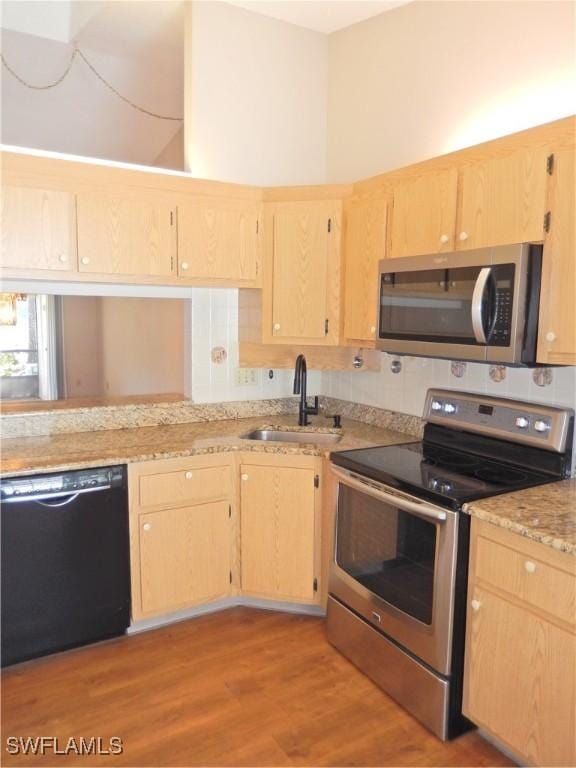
136 45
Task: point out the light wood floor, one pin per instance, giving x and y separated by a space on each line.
237 688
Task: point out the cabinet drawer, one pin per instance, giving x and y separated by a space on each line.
184 486
527 578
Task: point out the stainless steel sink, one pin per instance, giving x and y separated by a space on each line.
281 436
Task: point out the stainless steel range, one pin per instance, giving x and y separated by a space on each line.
398 578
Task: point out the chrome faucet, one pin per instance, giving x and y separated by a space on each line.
300 376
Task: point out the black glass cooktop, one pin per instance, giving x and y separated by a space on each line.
446 476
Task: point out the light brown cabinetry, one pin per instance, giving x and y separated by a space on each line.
424 214
280 519
219 239
364 246
502 200
557 326
183 533
126 235
520 663
38 229
476 203
301 297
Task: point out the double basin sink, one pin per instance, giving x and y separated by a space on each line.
286 436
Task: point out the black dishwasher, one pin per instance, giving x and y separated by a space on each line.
65 561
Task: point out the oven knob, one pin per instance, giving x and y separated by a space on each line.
522 422
541 426
436 405
449 408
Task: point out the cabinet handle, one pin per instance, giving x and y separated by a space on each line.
475 605
63 258
372 329
529 566
184 265
276 326
463 236
244 476
147 526
550 336
85 260
444 239
188 475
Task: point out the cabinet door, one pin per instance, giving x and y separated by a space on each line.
185 556
278 532
365 245
557 326
424 214
126 235
301 299
502 200
519 680
218 239
38 229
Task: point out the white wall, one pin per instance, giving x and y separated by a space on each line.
435 76
256 98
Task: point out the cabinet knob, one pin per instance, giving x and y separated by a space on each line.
529 566
475 605
463 236
188 475
372 329
244 476
85 260
444 239
63 258
276 326
184 265
147 526
550 336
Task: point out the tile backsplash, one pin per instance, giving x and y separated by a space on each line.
214 327
405 391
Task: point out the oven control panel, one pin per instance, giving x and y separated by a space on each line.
529 423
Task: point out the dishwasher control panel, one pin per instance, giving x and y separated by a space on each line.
78 481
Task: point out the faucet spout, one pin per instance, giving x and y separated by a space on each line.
300 381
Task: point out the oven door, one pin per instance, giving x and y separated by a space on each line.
394 564
468 306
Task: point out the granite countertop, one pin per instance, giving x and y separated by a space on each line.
546 513
52 453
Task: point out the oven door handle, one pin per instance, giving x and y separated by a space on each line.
421 509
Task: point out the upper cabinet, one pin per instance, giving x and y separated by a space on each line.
503 200
301 299
424 214
485 202
364 246
557 326
219 239
38 229
126 234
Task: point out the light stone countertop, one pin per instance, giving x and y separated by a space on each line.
546 513
58 452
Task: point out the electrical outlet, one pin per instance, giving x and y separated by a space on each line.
246 377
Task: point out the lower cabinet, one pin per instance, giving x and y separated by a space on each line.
183 533
280 511
209 527
520 666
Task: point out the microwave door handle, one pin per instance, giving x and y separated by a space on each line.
421 510
484 276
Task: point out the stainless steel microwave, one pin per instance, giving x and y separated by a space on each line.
480 305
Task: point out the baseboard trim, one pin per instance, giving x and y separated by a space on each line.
221 605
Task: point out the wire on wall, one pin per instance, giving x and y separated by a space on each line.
78 53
